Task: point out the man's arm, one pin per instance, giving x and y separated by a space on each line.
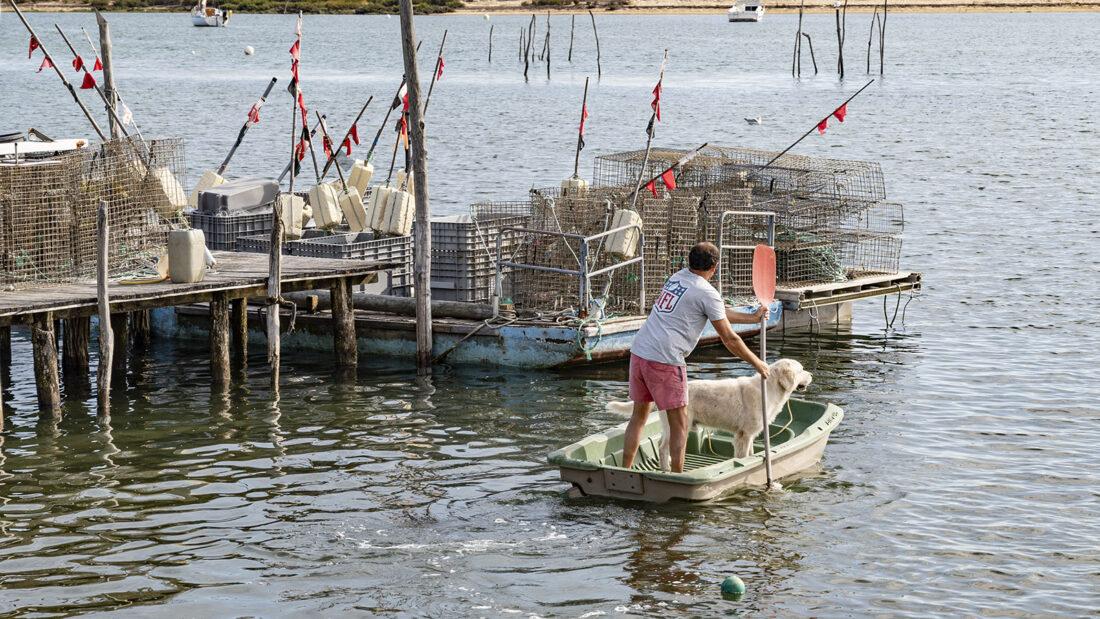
741 318
736 346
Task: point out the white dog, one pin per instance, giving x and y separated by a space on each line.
733 404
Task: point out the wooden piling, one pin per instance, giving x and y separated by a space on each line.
109 90
77 333
343 326
239 326
423 242
599 68
141 329
106 338
219 339
274 292
46 379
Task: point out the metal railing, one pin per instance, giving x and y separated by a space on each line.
582 273
769 219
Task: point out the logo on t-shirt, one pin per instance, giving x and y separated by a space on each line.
669 297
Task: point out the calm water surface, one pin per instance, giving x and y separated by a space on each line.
963 480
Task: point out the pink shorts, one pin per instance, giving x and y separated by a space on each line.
662 383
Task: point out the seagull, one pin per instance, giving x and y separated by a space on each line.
755 121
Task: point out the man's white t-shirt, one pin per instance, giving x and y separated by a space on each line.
679 315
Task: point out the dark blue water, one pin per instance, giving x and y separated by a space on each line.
961 482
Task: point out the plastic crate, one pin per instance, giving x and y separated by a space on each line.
221 231
261 243
358 246
462 234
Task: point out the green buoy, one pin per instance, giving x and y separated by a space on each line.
733 587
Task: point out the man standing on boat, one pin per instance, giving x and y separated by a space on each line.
658 369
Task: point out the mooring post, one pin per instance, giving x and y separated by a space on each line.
422 268
45 365
108 72
74 359
120 326
239 327
343 325
274 284
219 339
106 338
141 330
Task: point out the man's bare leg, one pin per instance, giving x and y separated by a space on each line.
633 434
677 437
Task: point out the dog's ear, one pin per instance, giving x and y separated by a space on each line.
787 376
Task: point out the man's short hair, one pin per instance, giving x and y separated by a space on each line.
703 256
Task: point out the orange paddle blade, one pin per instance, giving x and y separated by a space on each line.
763 273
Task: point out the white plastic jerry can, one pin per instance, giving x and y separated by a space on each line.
399 213
574 186
290 211
186 256
376 206
351 203
172 189
624 243
325 201
361 175
210 179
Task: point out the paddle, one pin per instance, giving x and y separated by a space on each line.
763 286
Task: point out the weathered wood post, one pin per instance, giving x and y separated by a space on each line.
599 68
343 325
239 327
45 365
422 268
76 334
882 38
120 326
490 43
141 330
572 26
219 339
106 338
108 72
274 285
548 45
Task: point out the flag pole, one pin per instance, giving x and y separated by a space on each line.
386 120
816 125
679 163
438 60
244 128
649 136
72 91
580 132
286 170
332 159
118 96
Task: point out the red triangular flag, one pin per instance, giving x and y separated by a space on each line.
668 177
300 150
347 145
821 126
439 72
354 135
296 50
405 102
46 64
841 112
254 114
584 117
33 46
78 63
656 104
652 187
89 81
98 65
326 145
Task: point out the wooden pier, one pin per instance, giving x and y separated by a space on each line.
237 278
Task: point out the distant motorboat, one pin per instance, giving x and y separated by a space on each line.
755 121
746 11
209 17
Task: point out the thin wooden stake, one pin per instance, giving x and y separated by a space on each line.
423 242
106 337
572 26
882 39
580 133
599 68
812 58
871 35
435 73
548 45
107 58
490 43
650 130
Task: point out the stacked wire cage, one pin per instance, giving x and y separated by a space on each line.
49 209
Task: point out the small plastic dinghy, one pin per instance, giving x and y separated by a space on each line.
593 464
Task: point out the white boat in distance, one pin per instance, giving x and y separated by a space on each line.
746 11
204 16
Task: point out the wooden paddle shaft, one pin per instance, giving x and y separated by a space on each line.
764 400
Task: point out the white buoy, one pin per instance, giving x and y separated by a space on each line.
248 51
486 17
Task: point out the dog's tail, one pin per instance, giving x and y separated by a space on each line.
621 408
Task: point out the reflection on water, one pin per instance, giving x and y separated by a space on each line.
960 481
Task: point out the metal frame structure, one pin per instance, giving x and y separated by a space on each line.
769 218
582 273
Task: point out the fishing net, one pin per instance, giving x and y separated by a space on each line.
49 206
